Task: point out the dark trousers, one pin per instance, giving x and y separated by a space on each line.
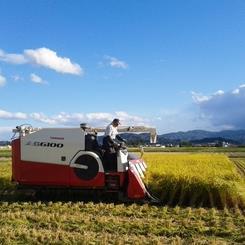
110 161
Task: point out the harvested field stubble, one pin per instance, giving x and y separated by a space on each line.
89 223
240 164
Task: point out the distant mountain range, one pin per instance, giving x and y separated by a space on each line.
194 136
237 136
4 142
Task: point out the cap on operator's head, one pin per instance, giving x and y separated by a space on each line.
116 120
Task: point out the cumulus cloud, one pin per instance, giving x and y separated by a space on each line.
223 109
100 119
166 121
237 90
93 119
12 58
219 92
66 119
63 118
36 79
49 58
126 118
199 98
43 57
115 63
40 117
11 116
2 80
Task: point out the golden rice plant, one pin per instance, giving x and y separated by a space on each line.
195 179
5 175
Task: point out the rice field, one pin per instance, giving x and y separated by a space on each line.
5 153
76 222
209 180
5 175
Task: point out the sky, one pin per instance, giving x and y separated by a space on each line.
171 64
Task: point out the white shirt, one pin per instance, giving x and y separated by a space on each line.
111 131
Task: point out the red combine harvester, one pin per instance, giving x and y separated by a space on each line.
71 158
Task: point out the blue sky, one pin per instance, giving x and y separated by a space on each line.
176 65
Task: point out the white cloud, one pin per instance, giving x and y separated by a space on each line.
237 90
43 57
199 98
219 92
166 121
2 80
128 119
12 58
40 117
99 119
48 58
115 63
59 119
36 79
225 110
93 119
11 116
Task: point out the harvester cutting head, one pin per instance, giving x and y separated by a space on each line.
72 158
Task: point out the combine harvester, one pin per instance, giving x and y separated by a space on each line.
72 159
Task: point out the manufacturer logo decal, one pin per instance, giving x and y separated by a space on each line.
56 138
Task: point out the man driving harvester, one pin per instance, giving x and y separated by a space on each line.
111 143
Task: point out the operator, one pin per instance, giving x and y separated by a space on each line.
111 144
112 141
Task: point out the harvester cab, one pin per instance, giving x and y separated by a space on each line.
72 158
